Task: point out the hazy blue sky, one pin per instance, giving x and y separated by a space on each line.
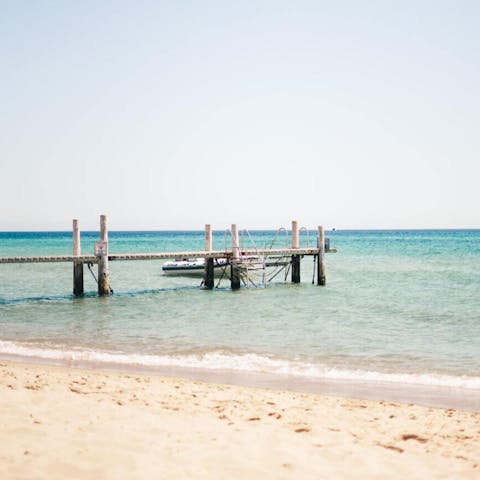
173 114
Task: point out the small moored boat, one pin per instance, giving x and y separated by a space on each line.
193 267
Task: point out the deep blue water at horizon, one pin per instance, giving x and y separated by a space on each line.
399 305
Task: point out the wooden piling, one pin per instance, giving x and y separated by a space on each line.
234 265
321 265
209 280
295 235
78 288
295 258
102 253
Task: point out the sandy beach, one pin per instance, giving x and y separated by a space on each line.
61 422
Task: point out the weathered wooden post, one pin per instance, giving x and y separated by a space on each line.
295 258
102 254
209 280
234 267
77 265
321 266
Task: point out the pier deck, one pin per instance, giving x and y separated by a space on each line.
159 256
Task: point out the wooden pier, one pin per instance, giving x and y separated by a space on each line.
235 256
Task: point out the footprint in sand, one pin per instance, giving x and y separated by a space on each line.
392 447
32 387
275 414
302 430
412 436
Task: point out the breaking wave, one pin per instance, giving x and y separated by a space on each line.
219 360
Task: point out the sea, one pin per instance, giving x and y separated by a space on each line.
399 317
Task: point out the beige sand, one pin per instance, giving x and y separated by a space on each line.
62 423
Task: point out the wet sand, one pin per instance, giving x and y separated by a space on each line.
61 422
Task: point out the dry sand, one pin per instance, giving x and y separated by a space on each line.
59 423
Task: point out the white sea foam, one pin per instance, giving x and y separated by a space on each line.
249 362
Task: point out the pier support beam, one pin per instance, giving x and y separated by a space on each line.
77 265
321 266
208 280
102 253
295 258
234 270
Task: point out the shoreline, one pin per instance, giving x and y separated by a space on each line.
60 422
435 396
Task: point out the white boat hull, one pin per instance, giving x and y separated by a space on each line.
194 267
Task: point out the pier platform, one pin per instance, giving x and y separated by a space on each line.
238 257
228 254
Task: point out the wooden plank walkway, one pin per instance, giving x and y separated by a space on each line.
50 259
160 255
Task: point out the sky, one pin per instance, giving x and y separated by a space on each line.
170 115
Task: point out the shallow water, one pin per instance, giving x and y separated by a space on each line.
399 306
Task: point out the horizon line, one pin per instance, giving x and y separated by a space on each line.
333 229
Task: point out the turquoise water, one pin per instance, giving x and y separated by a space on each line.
399 306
